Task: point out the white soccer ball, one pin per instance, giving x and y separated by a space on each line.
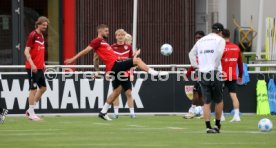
265 125
166 49
198 111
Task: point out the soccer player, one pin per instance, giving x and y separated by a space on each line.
35 65
206 56
197 95
124 51
231 57
114 67
128 39
3 114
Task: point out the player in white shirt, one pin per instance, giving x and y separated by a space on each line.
209 51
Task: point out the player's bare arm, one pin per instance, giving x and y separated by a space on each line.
96 61
136 53
28 57
81 53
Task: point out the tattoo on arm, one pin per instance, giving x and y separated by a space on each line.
96 62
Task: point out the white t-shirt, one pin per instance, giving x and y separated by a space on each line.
207 52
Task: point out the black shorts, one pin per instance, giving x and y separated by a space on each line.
36 79
118 70
212 90
231 86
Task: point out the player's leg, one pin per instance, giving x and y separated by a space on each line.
41 83
32 77
143 66
206 92
218 115
128 92
116 108
217 94
110 99
130 103
236 104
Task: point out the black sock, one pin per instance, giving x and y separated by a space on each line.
208 124
1 110
218 123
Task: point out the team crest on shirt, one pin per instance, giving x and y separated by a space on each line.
126 47
189 91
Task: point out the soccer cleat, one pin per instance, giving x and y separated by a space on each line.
104 116
34 117
217 129
236 119
132 116
3 116
211 131
115 116
189 116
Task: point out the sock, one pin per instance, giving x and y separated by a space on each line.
218 123
208 124
31 109
105 108
153 72
236 112
131 110
116 110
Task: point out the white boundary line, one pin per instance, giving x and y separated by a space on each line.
123 114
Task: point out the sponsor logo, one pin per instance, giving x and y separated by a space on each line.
80 95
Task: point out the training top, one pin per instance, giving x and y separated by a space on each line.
105 52
36 42
231 57
208 51
123 52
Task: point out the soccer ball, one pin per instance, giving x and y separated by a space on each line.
265 125
198 111
166 49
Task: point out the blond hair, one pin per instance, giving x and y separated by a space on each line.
128 37
120 31
41 20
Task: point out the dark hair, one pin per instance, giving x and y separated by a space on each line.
102 26
41 20
226 33
201 33
217 28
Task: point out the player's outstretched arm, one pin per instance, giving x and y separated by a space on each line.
81 53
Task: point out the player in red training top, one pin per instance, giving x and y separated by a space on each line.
231 57
34 52
124 51
114 67
197 95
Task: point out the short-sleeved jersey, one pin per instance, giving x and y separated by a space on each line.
123 52
105 52
36 42
231 57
